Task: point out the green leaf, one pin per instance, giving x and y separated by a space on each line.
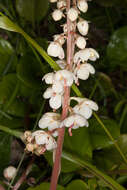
101 175
28 71
99 138
7 58
45 186
8 100
37 9
117 48
5 150
77 185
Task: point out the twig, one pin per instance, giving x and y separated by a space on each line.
24 175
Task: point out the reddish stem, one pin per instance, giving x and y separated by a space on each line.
57 163
23 176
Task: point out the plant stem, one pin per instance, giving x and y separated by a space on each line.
23 176
57 163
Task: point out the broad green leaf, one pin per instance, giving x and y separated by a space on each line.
8 96
77 185
99 138
8 60
5 150
28 71
37 9
109 157
44 186
117 48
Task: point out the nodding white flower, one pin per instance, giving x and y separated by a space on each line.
53 1
62 63
72 14
83 27
84 107
74 121
82 55
55 50
9 172
65 77
84 70
85 55
57 15
50 120
55 101
57 87
93 54
72 27
82 5
55 133
48 78
59 38
81 42
61 4
43 138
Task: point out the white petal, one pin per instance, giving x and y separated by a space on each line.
86 112
62 63
57 14
58 87
90 68
55 50
48 93
81 42
63 75
92 105
61 4
48 78
82 5
82 55
82 73
83 27
55 101
72 14
69 121
94 54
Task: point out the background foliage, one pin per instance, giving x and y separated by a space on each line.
21 90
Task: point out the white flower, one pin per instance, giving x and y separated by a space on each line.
61 4
9 172
74 121
55 101
85 55
50 120
55 50
62 63
82 5
57 87
59 38
57 14
84 107
65 77
82 55
53 1
48 78
81 42
83 71
93 54
43 138
72 14
83 27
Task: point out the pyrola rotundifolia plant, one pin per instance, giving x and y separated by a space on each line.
75 65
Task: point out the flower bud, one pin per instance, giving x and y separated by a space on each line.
61 4
9 172
30 147
72 14
82 5
83 27
57 15
81 42
27 134
48 78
